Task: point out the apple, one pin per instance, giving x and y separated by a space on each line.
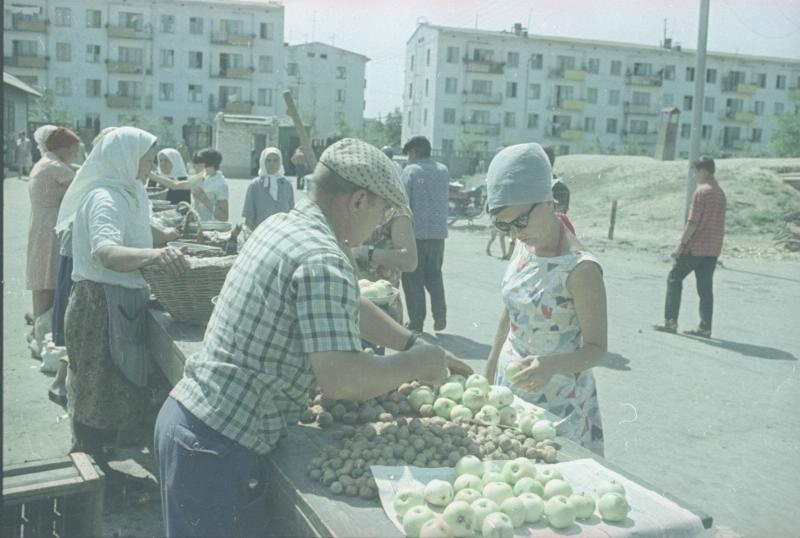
492 476
420 396
609 486
534 506
407 498
469 495
497 525
500 396
469 465
515 510
555 487
460 516
479 382
547 474
543 429
488 415
526 484
415 518
452 390
508 416
498 492
467 481
436 528
443 406
438 492
525 422
460 413
584 505
456 378
560 512
482 508
513 368
517 469
473 398
613 507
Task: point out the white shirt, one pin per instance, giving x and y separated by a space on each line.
107 217
216 188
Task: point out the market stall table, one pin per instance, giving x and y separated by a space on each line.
301 506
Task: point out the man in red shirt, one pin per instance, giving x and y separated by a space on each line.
701 244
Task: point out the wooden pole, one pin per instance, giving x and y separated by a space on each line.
613 219
305 142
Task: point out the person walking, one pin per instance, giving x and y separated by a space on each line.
23 147
427 184
698 251
270 192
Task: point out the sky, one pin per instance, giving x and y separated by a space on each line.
379 29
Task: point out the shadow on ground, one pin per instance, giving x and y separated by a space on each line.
463 348
748 350
615 361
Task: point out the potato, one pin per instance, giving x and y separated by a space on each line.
350 418
325 419
351 491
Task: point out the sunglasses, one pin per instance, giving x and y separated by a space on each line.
519 223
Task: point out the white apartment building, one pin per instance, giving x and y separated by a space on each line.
478 90
183 61
327 84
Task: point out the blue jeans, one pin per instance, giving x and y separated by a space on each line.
211 486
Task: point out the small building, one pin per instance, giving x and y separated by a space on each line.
241 139
17 104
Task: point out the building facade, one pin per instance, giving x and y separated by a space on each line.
477 90
328 85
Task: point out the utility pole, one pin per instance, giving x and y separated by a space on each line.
698 104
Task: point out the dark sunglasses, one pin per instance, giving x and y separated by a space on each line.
519 223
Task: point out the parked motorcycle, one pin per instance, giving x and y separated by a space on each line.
465 204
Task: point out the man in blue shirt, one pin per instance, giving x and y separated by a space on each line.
426 182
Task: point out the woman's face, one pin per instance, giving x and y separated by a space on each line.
146 164
536 230
164 164
273 163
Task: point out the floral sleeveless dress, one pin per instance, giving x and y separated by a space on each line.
543 322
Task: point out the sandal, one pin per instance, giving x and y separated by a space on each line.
668 326
702 333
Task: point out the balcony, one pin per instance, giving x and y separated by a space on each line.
642 110
483 98
128 32
635 79
227 38
125 67
30 25
234 72
733 86
33 62
481 128
575 75
738 117
569 134
129 101
733 144
640 138
232 107
483 65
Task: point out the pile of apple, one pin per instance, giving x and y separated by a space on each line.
494 504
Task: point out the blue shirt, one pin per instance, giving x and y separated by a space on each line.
427 184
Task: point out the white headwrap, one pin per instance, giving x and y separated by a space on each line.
270 180
113 163
41 134
178 166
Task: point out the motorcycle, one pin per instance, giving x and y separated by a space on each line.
465 204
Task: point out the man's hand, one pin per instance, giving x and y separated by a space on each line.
534 377
456 365
172 261
432 369
678 251
170 234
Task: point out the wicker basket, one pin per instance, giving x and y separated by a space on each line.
187 297
157 193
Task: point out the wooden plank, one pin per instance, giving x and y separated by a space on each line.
35 466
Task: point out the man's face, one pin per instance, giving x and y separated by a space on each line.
368 212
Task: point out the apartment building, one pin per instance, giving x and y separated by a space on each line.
478 90
183 61
328 85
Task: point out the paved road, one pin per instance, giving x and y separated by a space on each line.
715 422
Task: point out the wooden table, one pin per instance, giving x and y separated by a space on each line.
305 507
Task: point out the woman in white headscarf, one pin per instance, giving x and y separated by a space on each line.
270 192
171 165
112 240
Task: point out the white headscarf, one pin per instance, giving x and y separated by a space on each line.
113 163
178 166
270 180
41 134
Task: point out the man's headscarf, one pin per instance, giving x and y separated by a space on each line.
178 166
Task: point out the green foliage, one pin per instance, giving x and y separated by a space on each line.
786 136
48 110
164 130
343 129
393 125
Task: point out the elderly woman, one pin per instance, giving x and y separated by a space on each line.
112 240
171 165
270 192
553 328
208 186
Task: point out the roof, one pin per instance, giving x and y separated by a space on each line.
319 44
601 43
237 3
11 80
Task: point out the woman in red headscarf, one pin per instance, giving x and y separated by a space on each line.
49 179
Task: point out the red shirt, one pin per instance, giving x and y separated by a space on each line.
708 213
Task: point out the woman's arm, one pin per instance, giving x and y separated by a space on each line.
188 184
128 259
401 258
499 339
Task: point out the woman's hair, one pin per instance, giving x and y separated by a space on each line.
208 157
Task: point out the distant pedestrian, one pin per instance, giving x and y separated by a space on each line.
560 192
700 247
506 243
427 184
23 155
300 166
270 192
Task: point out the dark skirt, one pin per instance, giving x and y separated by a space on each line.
63 289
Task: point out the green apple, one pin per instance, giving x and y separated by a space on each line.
460 413
500 396
555 487
469 465
443 406
420 396
451 390
436 528
508 416
407 498
584 505
560 512
546 474
515 510
609 486
513 368
438 492
469 495
479 382
473 398
488 415
517 469
456 378
467 481
492 476
482 508
497 525
528 485
460 516
613 507
415 518
498 492
543 429
534 506
525 422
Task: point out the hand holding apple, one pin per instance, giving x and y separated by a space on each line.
534 376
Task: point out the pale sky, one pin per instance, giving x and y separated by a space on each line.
379 29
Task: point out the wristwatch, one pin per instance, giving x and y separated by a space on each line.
370 252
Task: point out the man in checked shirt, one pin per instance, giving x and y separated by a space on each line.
289 318
701 244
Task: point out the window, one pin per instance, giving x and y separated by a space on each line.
452 55
687 102
340 96
93 54
131 55
611 126
511 89
94 18
641 99
761 80
509 119
642 69
267 31
449 116
428 57
411 90
450 85
512 59
668 100
408 118
594 65
480 116
613 97
63 16
26 48
169 119
195 60
166 91
425 117
778 108
448 145
167 58
341 72
686 130
195 25
63 86
734 105
591 96
756 135
483 55
711 76
92 88
129 88
533 121
195 93
265 64
690 74
131 20
292 70
231 26
708 104
63 52
168 24
412 62
638 126
427 84
537 61
706 133
264 97
588 125
534 91
669 72
92 120
780 82
482 86
758 108
616 67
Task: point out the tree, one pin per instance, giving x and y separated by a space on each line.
48 110
393 127
164 130
786 136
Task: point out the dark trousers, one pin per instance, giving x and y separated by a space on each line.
428 275
703 267
210 485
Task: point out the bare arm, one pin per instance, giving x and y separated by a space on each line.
402 258
127 259
499 339
221 211
188 184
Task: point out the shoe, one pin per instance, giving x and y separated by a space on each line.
416 329
668 326
439 325
58 397
702 333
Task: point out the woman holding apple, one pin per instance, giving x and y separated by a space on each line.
553 329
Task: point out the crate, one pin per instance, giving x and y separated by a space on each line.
61 497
